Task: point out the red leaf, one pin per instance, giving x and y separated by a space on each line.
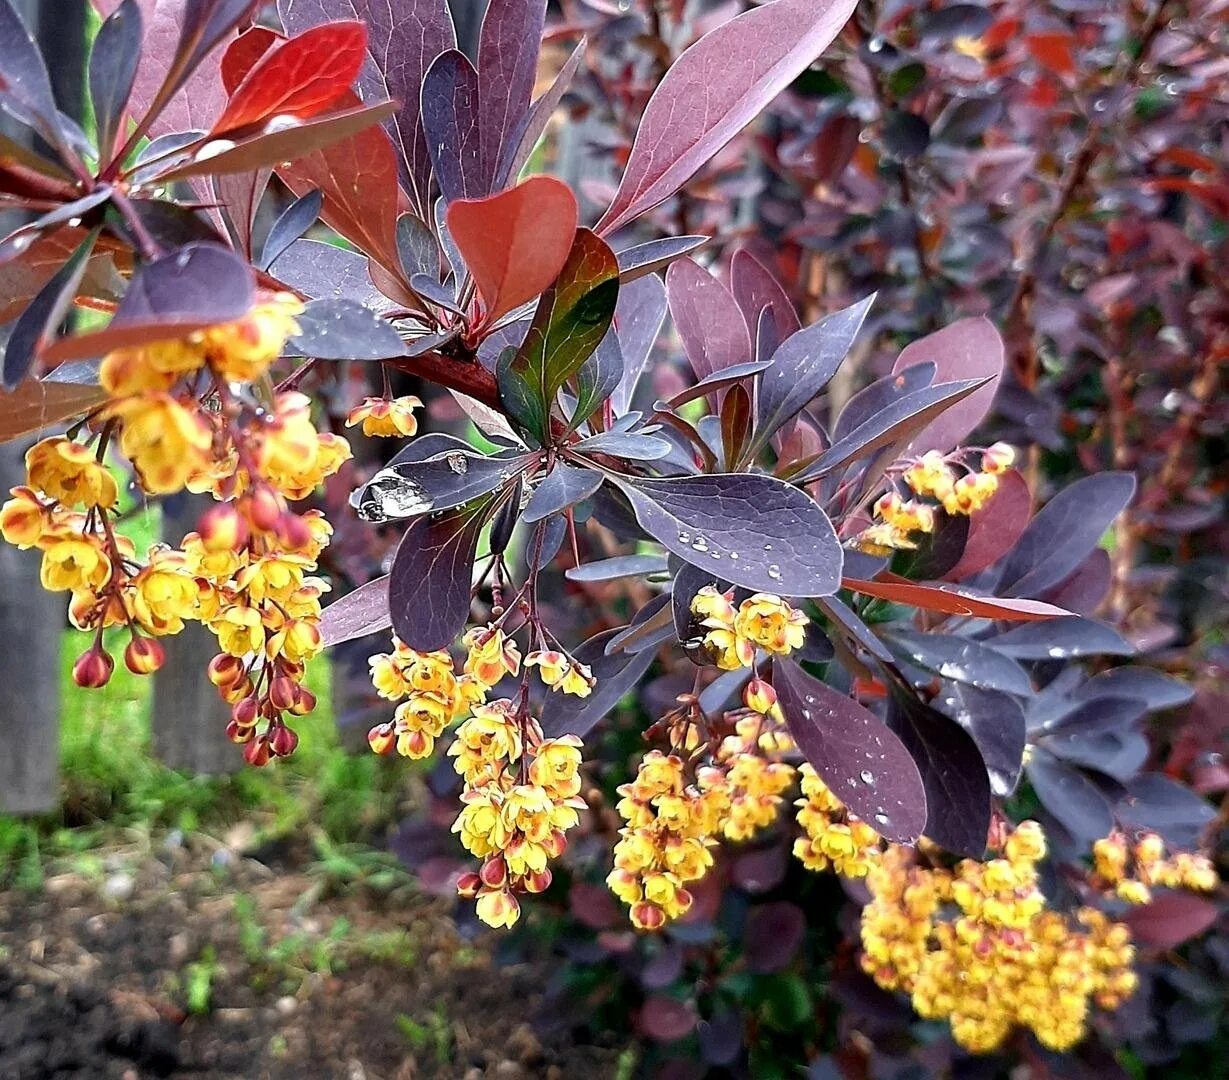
951 601
1171 919
994 529
515 243
1053 51
301 77
244 53
358 179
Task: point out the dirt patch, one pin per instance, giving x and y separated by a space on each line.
183 963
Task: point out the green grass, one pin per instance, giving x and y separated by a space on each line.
111 784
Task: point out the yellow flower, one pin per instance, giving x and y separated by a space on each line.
385 418
165 441
771 623
74 565
70 473
560 672
998 458
239 630
498 908
556 766
241 351
490 655
23 519
165 593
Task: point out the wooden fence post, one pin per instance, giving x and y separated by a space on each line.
188 718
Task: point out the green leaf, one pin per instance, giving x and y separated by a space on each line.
572 317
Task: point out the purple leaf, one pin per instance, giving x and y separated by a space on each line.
879 395
802 365
1171 919
966 661
39 323
647 258
195 287
1117 754
1064 532
721 1037
290 225
1061 639
639 314
621 566
757 291
343 330
562 487
357 614
113 69
535 122
429 585
760 870
855 754
239 195
707 319
436 292
895 424
755 530
597 379
616 674
652 625
402 41
25 88
997 725
323 271
665 1020
630 445
450 122
1090 717
968 349
772 936
410 489
1171 809
554 530
713 90
718 380
1157 691
1084 590
507 67
1070 797
854 628
953 774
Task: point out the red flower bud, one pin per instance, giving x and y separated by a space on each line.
256 753
304 703
144 656
381 738
538 882
293 532
245 712
283 692
494 873
222 528
243 688
93 668
282 740
238 734
263 509
225 670
468 885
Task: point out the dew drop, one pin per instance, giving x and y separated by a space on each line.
457 462
214 148
882 819
866 776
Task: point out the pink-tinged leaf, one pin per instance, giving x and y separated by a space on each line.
193 288
756 289
514 244
301 77
402 41
507 67
358 179
36 404
968 349
707 319
995 528
951 601
450 123
244 53
1085 590
713 90
1171 919
282 144
854 752
357 614
666 1020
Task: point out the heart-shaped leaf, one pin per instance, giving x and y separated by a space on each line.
855 754
753 530
515 244
713 90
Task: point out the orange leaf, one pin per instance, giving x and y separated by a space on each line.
951 601
244 53
1053 51
299 78
515 243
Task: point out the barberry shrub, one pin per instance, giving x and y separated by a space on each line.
872 612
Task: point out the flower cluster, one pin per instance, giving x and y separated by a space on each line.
521 795
245 572
947 482
832 838
977 946
665 842
732 634
1132 871
747 766
386 418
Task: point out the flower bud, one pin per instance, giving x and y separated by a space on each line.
282 740
222 528
381 738
238 734
283 692
468 885
256 753
538 882
245 712
647 916
93 668
304 703
494 873
225 670
144 656
243 688
293 532
759 695
998 458
263 509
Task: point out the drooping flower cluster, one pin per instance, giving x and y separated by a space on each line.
732 634
932 483
832 838
521 795
245 571
977 946
1132 871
